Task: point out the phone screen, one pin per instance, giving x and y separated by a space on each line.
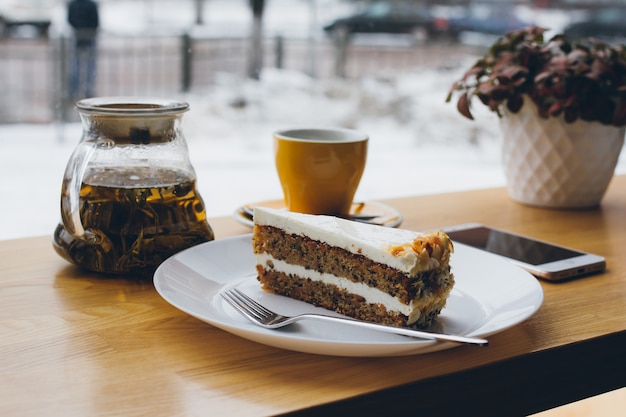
512 246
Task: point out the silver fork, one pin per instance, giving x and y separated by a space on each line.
264 317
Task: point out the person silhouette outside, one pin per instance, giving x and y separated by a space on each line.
83 16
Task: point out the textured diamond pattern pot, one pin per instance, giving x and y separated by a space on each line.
551 163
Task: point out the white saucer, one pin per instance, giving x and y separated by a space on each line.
383 214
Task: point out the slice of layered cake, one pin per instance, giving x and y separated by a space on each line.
372 273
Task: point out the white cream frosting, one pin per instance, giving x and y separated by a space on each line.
375 242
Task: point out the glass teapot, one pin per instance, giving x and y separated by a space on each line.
129 198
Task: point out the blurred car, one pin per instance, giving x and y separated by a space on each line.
391 17
606 24
32 17
489 19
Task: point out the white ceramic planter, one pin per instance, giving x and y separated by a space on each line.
551 163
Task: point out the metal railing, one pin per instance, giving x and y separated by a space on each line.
34 81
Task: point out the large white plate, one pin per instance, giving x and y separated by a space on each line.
490 295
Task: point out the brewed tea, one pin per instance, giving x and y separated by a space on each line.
139 216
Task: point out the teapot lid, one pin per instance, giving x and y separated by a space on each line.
132 120
131 106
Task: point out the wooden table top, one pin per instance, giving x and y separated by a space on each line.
73 343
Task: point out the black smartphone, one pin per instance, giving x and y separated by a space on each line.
542 259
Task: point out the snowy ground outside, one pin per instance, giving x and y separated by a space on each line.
419 144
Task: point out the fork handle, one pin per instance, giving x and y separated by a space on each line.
404 331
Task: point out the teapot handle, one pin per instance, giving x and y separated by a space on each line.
70 193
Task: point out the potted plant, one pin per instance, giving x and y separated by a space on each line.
562 108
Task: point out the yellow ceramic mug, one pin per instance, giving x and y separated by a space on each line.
320 169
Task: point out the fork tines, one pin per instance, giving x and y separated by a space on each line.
246 305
